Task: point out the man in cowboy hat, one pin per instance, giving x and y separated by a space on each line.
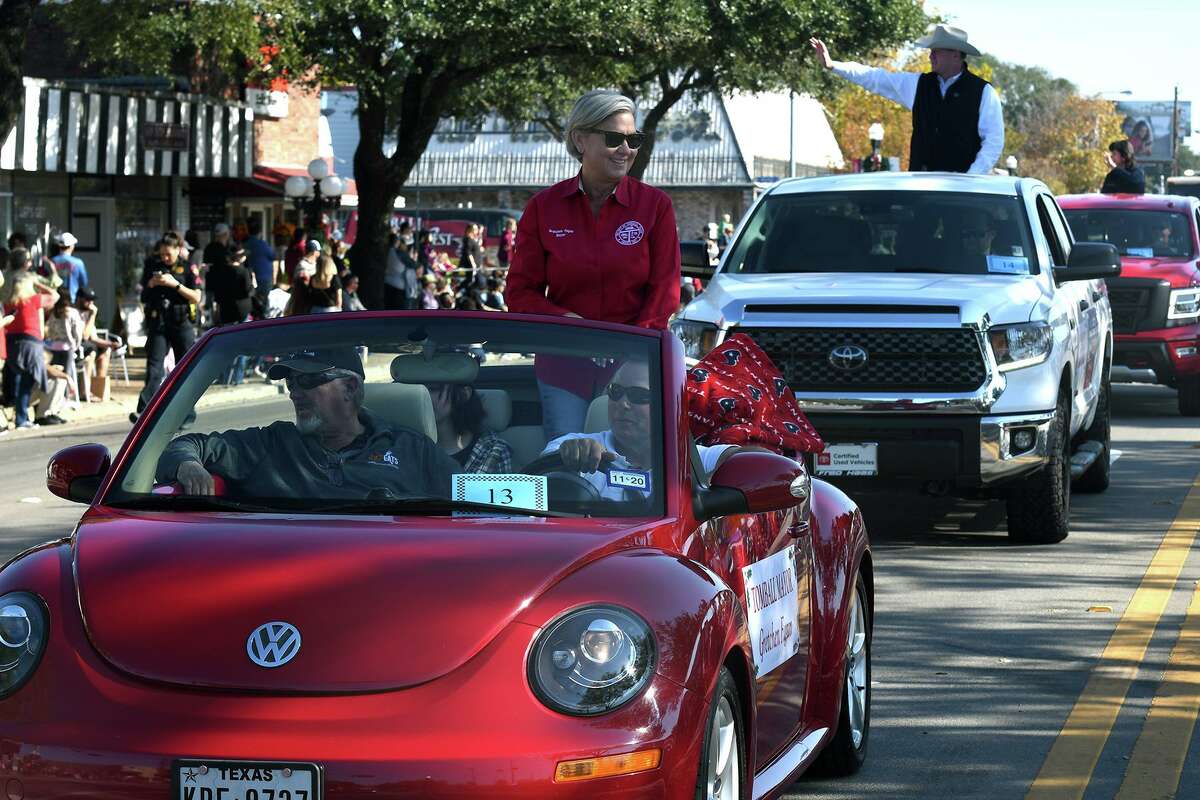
958 124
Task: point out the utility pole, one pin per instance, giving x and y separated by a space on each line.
1175 133
791 170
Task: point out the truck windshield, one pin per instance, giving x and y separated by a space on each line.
886 231
1141 233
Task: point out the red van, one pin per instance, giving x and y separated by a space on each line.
1156 300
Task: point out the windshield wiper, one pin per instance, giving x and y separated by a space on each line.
430 505
189 502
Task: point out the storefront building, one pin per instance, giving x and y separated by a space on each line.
117 168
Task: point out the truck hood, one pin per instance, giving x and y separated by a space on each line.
1180 274
764 299
380 602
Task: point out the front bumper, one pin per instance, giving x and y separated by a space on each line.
965 451
1157 356
80 728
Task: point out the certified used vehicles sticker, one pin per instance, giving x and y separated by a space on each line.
772 606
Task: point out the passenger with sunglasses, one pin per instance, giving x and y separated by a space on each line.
600 245
334 449
628 444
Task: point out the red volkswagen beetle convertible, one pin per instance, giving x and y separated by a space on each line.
373 576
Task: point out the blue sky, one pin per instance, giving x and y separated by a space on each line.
1148 46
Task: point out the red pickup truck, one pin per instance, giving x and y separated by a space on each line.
1156 299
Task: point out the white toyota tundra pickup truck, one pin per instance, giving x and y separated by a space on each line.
942 331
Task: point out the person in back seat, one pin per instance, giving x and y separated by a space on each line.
461 433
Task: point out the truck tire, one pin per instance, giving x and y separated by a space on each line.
1096 479
1039 508
1189 396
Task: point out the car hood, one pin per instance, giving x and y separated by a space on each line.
380 602
1180 273
763 299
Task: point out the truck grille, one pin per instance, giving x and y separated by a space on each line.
1138 304
898 360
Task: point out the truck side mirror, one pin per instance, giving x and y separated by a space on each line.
1090 261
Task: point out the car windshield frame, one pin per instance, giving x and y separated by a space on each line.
1078 216
132 483
897 236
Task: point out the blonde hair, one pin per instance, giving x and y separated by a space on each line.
592 109
326 269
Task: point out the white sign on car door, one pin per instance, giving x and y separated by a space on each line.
772 607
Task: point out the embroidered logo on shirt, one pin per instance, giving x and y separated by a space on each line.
386 459
630 233
560 233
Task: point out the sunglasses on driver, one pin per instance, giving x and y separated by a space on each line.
636 395
311 380
613 139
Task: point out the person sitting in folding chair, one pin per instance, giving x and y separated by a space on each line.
64 340
94 344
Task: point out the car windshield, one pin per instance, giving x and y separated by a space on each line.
420 414
885 231
1138 233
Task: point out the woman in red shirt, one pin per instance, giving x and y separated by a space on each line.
26 298
600 245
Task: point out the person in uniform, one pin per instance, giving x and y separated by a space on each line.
958 123
169 300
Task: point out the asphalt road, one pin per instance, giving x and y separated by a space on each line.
997 672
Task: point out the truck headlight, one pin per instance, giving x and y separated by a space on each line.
23 629
1184 304
1017 346
592 660
697 337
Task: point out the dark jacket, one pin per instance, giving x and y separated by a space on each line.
279 461
1124 181
165 307
232 286
945 135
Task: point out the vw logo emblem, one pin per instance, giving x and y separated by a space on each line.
273 644
848 357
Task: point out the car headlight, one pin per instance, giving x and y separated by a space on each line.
1184 304
23 628
697 337
592 660
1017 346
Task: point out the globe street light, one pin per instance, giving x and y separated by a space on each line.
315 194
874 162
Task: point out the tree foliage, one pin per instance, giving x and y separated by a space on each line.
15 16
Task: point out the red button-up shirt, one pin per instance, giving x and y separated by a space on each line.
620 266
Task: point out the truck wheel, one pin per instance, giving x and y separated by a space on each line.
1096 478
1189 396
1039 508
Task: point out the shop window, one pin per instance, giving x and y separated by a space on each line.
140 222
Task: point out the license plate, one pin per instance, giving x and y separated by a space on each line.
848 459
198 779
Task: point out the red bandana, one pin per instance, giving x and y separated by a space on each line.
737 396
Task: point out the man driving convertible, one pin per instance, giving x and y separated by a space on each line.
618 460
334 449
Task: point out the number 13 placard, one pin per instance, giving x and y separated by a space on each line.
503 491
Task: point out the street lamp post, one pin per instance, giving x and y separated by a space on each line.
1010 164
314 194
875 160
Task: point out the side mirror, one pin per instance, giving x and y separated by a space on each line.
693 260
754 482
1090 261
74 473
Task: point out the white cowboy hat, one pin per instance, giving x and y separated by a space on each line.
947 37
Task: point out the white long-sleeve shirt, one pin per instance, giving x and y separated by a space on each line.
902 88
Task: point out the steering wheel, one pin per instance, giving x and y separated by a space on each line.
562 484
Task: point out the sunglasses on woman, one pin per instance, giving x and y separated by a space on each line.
637 395
613 139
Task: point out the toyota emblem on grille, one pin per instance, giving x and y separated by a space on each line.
848 357
273 644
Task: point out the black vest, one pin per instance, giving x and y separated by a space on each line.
945 135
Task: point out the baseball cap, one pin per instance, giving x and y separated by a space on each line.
314 361
220 228
312 246
87 293
66 239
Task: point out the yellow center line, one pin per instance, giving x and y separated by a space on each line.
1158 757
1073 756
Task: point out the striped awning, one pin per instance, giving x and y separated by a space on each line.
102 131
